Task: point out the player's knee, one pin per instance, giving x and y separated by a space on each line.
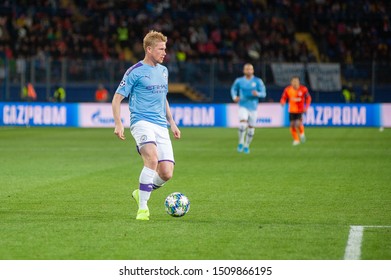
165 174
243 125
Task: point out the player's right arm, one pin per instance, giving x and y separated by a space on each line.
123 91
235 91
284 97
116 105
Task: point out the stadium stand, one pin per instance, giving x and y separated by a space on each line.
349 32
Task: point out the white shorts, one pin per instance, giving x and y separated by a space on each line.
145 132
247 115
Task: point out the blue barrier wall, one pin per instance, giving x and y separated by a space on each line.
39 114
341 115
190 115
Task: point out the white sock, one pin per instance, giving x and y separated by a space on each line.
157 181
146 185
242 132
250 135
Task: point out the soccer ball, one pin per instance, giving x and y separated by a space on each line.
177 204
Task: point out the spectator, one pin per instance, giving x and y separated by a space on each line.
227 30
348 93
59 94
28 93
91 31
101 94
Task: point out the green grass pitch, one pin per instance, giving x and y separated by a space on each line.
65 193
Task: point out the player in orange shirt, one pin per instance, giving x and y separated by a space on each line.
299 101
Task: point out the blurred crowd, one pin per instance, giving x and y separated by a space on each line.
233 30
353 30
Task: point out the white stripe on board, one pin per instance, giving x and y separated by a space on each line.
353 248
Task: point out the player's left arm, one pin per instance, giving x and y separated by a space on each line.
308 100
174 128
260 89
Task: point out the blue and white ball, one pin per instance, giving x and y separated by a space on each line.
177 204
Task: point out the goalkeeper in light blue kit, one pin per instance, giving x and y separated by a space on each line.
246 91
146 86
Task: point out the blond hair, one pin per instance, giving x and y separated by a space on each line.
152 38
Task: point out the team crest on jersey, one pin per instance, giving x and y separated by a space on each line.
253 84
122 84
299 93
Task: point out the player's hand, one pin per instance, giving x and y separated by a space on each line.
175 130
237 98
119 131
254 93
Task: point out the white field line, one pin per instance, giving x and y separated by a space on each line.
353 247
